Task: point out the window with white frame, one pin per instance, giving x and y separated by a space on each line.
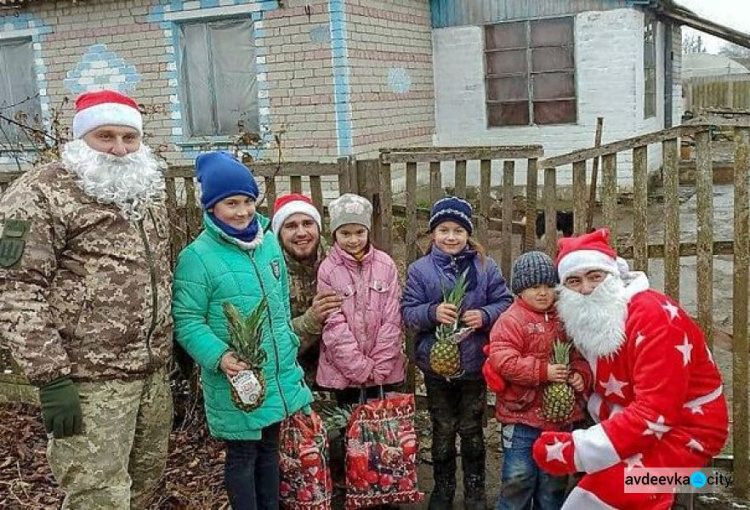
649 67
219 89
19 93
530 72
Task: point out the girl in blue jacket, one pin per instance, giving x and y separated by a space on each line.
236 259
456 405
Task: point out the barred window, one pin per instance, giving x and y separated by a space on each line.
649 67
530 72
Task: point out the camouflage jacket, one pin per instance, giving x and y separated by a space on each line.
83 291
303 281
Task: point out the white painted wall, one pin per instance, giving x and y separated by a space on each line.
609 75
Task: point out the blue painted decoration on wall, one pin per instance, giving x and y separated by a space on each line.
99 69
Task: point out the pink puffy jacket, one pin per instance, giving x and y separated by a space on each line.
362 343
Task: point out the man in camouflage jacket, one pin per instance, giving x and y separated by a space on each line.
85 292
297 224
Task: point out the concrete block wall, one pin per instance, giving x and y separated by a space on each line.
609 77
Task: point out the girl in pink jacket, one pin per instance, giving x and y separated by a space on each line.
362 343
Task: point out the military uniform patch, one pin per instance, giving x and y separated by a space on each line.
276 268
13 242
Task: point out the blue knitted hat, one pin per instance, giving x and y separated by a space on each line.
451 209
531 269
222 176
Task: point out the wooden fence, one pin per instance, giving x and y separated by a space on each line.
727 92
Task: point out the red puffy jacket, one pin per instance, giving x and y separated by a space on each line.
520 350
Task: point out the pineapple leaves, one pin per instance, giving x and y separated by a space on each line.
245 334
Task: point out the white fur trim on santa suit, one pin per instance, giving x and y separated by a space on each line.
106 114
593 450
291 208
581 260
579 499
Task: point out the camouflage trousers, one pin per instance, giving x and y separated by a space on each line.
117 462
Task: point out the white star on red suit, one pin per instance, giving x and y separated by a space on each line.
656 428
695 445
671 309
685 348
695 408
634 461
710 355
613 385
555 451
638 339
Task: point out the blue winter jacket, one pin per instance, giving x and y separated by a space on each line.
424 292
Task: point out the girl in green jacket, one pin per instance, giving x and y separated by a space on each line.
236 261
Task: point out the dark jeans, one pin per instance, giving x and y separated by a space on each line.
523 482
251 472
457 408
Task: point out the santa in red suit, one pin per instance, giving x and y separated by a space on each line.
657 393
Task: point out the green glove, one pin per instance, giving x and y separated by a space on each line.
61 408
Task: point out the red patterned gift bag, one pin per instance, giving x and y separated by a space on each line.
303 461
381 453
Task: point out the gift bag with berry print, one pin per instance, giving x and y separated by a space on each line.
303 463
381 453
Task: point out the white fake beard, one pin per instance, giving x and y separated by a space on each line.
131 182
596 322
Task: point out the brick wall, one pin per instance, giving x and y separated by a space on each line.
335 77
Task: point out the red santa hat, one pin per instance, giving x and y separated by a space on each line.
105 108
585 253
294 203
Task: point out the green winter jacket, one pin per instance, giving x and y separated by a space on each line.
211 270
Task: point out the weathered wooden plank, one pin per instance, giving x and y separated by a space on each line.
705 263
316 193
270 194
295 184
485 198
386 204
609 193
618 146
658 251
171 202
412 249
436 185
580 199
550 211
671 215
506 238
269 169
740 419
460 179
532 181
193 211
344 184
432 154
640 208
8 177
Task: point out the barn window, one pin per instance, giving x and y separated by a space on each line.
218 77
649 67
19 93
530 72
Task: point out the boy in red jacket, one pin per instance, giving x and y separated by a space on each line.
521 345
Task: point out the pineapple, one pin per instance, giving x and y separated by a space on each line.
248 388
445 358
558 399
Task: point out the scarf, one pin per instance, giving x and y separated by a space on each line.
247 234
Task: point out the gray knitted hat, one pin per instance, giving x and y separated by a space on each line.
531 269
350 208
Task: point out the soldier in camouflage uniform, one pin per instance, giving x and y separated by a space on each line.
297 224
85 292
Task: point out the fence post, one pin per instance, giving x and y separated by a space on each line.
705 239
740 420
385 191
532 182
671 219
